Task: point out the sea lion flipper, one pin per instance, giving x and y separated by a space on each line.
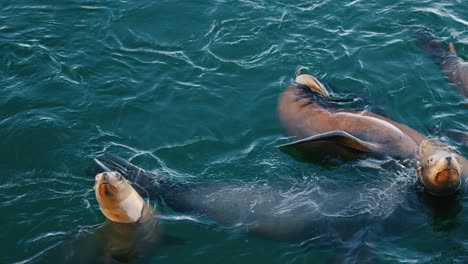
312 83
138 176
337 136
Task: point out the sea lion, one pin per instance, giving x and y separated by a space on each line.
255 208
452 66
131 232
321 128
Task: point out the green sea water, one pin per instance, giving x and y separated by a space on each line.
189 89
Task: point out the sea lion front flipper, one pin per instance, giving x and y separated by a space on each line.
140 178
337 136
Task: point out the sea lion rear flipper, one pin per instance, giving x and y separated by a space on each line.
432 46
337 136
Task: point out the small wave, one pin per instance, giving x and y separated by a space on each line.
253 61
179 218
46 235
40 253
441 11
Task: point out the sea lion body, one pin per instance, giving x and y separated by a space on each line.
452 66
320 129
302 117
251 207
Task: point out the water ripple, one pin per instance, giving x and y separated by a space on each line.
189 90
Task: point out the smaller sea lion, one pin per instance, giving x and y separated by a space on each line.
452 66
323 129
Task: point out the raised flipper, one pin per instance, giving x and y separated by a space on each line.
316 86
311 82
338 137
141 179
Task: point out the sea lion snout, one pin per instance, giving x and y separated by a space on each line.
108 183
449 159
450 171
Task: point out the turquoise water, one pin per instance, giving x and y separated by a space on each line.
188 90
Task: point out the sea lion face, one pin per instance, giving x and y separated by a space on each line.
117 199
439 172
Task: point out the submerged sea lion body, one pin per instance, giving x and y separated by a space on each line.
452 66
321 129
251 207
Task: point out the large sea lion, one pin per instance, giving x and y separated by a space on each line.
306 113
452 66
255 208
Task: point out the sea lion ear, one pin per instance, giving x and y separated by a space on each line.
419 170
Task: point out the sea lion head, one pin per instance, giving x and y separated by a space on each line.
118 200
439 168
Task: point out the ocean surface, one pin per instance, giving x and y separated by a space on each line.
189 89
